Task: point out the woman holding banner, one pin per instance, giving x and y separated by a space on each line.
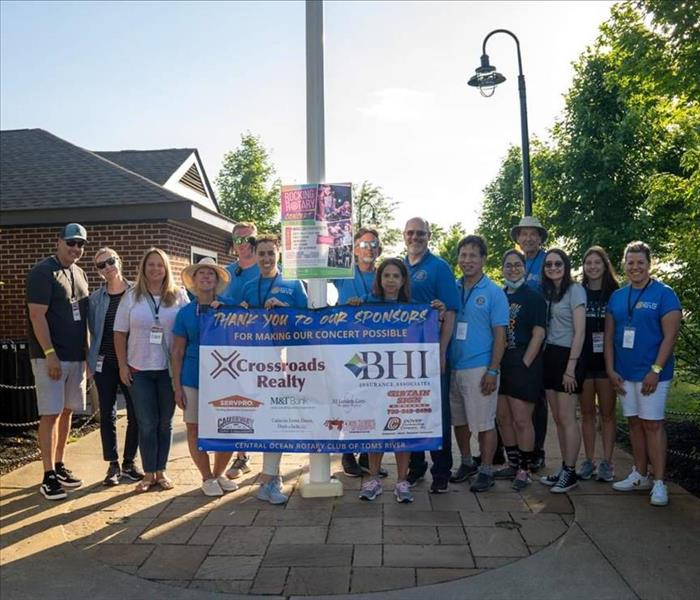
205 281
270 290
142 339
391 284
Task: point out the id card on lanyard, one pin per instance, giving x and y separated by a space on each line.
629 331
156 334
463 326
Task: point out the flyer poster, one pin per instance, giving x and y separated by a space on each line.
338 379
317 232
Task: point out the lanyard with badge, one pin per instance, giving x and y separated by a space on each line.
156 335
269 289
461 333
598 336
74 304
629 331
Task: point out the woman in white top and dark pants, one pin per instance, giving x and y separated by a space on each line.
142 339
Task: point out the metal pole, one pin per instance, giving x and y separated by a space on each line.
319 482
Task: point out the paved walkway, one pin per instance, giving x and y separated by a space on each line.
103 543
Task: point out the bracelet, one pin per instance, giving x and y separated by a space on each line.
49 351
493 372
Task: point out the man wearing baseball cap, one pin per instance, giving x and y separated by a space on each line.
57 310
530 235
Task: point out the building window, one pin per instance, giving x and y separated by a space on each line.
197 254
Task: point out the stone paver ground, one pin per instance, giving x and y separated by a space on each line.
237 544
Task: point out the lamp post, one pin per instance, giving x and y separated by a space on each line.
486 79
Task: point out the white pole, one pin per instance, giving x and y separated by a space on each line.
318 483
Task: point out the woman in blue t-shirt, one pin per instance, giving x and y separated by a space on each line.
641 327
205 281
599 281
391 284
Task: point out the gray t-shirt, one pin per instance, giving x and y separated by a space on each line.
560 322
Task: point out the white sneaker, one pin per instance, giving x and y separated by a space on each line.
634 481
659 494
211 487
226 484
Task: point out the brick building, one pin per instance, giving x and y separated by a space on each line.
129 200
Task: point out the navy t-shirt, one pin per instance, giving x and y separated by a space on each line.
527 309
596 305
648 307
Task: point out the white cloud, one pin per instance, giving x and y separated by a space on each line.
397 104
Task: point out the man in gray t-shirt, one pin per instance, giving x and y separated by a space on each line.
57 311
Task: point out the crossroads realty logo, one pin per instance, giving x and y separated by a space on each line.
235 365
389 364
234 425
235 401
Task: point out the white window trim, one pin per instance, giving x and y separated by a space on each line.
202 252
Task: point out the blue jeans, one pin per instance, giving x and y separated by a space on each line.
107 383
154 406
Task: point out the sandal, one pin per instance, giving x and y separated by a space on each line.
144 485
165 482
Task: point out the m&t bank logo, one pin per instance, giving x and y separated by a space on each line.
389 364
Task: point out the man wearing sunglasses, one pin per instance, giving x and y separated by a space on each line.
432 279
242 271
531 236
368 248
57 311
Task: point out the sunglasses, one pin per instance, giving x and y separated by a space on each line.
238 240
106 263
73 243
418 233
557 264
373 244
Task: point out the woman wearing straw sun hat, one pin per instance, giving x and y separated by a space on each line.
205 280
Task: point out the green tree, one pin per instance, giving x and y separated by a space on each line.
447 248
372 208
248 190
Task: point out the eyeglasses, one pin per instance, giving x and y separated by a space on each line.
557 264
415 233
72 243
106 263
239 240
513 266
373 244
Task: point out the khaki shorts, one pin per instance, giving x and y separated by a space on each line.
191 412
468 406
55 395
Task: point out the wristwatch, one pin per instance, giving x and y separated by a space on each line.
657 368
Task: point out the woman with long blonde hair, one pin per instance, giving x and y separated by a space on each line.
142 340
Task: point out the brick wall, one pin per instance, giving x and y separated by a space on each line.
22 247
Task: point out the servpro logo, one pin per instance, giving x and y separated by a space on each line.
235 402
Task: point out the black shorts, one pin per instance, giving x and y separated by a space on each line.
519 381
595 365
556 359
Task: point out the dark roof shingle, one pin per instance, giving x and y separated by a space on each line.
156 165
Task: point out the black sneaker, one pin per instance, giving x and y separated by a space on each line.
438 486
350 466
131 471
567 481
505 473
482 483
538 463
66 478
51 488
415 475
464 473
364 465
113 475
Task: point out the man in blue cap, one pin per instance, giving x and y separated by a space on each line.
57 310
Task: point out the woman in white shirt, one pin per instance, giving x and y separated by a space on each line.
142 340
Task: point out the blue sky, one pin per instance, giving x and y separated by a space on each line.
144 75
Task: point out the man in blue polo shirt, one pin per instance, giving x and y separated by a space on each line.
242 271
432 279
531 236
368 248
478 343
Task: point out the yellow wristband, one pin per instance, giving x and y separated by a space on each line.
49 351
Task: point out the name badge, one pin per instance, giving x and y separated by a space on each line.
156 335
628 338
461 330
75 307
598 342
98 365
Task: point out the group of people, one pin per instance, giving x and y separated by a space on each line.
506 353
